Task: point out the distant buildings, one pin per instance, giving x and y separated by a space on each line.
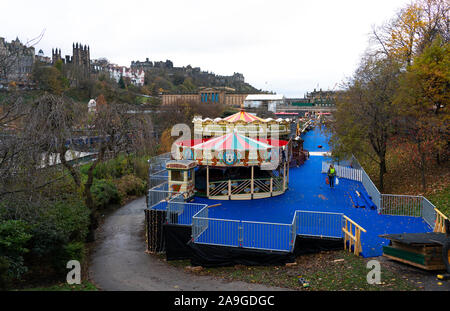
265 101
135 76
221 95
78 65
40 57
199 76
315 99
16 61
149 65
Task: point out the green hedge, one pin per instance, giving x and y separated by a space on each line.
130 185
104 193
14 236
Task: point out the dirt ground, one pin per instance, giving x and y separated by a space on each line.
424 280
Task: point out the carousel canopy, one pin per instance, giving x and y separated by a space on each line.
232 149
232 141
242 116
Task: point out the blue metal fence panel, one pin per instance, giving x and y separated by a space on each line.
321 224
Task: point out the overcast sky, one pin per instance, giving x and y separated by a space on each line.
289 47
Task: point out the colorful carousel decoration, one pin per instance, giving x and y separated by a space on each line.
243 123
237 167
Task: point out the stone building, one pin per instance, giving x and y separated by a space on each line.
40 57
221 95
135 76
16 61
79 64
149 65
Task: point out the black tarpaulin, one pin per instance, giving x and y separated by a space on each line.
311 245
220 256
176 239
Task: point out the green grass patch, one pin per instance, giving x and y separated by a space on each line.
441 199
84 286
330 271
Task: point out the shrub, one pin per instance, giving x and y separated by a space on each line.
70 251
14 237
104 192
114 168
5 278
140 167
130 185
57 226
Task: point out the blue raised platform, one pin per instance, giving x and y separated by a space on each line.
308 192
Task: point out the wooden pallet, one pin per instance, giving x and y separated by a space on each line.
424 256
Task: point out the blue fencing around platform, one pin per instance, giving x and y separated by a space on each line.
387 204
265 235
319 224
181 212
268 236
178 211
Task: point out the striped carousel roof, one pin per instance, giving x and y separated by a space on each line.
232 141
242 116
222 142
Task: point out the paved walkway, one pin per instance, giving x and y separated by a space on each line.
119 261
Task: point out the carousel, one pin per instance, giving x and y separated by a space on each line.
236 158
243 123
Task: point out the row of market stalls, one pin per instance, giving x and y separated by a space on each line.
240 157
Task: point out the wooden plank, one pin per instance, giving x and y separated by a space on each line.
419 249
435 267
413 257
362 229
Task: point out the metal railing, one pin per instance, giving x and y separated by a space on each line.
160 193
181 213
199 223
265 235
319 224
158 177
244 186
405 205
212 231
398 205
357 174
429 213
344 172
157 172
371 190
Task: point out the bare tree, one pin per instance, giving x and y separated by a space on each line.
10 55
115 126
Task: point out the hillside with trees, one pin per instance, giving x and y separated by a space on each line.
394 112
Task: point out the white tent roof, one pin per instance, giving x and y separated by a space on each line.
264 97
